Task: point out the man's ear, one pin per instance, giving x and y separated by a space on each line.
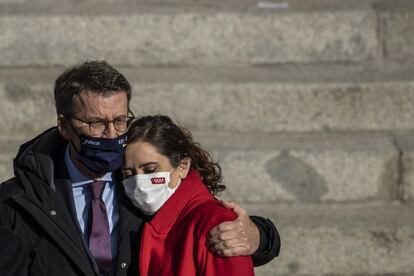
184 167
63 127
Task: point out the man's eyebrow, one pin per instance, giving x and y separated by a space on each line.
94 119
148 163
104 119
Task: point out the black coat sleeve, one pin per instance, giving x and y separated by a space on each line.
13 254
269 246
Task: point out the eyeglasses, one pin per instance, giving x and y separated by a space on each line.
97 127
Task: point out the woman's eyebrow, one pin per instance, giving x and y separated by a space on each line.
148 163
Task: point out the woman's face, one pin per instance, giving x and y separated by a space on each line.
143 158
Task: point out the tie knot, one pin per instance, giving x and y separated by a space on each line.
97 188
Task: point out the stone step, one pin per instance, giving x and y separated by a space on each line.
263 100
308 168
334 167
214 33
344 240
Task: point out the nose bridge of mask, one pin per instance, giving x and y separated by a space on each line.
101 155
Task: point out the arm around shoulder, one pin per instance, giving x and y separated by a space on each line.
212 264
270 243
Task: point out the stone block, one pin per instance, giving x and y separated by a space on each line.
26 109
185 37
272 106
295 168
337 168
345 241
234 100
399 35
407 190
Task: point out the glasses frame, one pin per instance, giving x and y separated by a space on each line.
130 118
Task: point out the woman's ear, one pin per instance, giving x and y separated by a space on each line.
184 167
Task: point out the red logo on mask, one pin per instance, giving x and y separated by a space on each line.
158 180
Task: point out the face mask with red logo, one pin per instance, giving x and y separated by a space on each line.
149 191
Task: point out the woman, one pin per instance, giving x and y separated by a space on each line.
171 179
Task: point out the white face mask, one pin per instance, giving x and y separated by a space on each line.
149 191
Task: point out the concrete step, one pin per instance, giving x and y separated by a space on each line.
341 239
334 167
396 23
308 168
214 33
263 100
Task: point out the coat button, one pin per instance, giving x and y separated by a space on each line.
123 265
53 213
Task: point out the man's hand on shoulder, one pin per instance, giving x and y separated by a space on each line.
234 238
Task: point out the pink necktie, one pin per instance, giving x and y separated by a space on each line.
99 238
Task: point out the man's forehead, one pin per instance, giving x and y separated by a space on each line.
92 94
100 104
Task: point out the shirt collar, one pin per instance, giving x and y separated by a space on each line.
77 177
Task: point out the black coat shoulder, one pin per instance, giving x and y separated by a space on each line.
9 188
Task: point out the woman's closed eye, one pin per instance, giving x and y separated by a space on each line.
148 170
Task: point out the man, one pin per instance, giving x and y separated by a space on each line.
66 203
13 254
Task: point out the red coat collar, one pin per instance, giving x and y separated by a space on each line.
189 194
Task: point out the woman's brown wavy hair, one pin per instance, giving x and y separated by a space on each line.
176 142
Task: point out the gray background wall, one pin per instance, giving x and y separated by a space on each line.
307 104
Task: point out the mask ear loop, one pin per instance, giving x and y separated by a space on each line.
77 135
179 180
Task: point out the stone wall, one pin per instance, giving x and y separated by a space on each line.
307 104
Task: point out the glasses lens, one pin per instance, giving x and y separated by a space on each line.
97 127
121 124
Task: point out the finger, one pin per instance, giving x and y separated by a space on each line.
225 236
221 236
223 227
228 204
231 252
236 208
240 212
228 244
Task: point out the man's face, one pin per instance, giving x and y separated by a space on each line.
94 107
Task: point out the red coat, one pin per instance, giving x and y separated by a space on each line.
174 241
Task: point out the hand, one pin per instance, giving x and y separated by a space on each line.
234 238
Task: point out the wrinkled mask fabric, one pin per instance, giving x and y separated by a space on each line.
149 192
101 155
